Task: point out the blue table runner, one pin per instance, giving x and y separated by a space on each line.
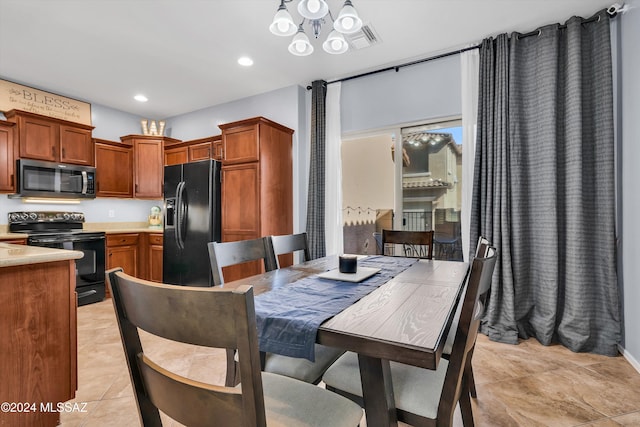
288 317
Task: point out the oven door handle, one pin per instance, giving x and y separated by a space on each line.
62 240
86 239
50 240
87 293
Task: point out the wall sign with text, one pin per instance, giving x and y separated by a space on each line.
18 97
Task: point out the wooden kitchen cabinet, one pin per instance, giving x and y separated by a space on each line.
205 148
194 150
148 161
14 241
154 256
138 254
256 164
39 363
201 151
114 169
217 148
76 145
175 156
122 251
7 158
53 140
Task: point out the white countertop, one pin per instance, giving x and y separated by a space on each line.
11 255
8 236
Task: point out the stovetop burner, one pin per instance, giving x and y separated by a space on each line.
42 222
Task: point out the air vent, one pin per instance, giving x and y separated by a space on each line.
364 38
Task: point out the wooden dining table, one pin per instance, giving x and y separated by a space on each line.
406 320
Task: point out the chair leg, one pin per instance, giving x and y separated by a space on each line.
468 371
471 382
465 404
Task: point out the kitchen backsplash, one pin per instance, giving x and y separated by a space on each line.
101 210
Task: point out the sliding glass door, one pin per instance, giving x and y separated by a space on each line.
420 192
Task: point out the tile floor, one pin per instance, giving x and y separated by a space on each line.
524 385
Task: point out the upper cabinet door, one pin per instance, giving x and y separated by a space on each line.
7 162
148 168
175 156
241 144
114 170
38 139
201 151
76 146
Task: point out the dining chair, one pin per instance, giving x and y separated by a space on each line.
425 397
187 315
225 254
415 244
290 243
230 253
482 249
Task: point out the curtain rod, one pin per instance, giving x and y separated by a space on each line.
406 64
612 11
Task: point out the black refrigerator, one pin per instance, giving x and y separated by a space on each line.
191 220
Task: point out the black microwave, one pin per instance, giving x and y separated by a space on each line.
49 179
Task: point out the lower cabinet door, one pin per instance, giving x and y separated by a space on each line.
155 263
125 257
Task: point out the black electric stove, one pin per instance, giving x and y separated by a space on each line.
63 230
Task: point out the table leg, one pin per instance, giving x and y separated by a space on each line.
377 392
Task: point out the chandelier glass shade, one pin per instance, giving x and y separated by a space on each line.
313 9
315 12
300 45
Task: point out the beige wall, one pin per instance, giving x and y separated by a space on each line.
367 176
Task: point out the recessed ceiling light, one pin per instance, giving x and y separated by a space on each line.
245 61
140 98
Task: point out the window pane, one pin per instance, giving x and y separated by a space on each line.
431 184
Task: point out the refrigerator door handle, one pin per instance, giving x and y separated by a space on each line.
178 216
180 219
184 213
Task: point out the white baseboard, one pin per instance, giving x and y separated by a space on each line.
629 358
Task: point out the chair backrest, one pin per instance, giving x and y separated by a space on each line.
468 325
482 247
290 243
185 314
224 254
415 244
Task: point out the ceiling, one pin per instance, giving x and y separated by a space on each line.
182 54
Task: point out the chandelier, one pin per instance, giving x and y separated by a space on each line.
314 12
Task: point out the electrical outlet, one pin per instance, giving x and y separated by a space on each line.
111 213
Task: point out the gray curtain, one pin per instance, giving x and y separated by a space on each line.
316 194
544 185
